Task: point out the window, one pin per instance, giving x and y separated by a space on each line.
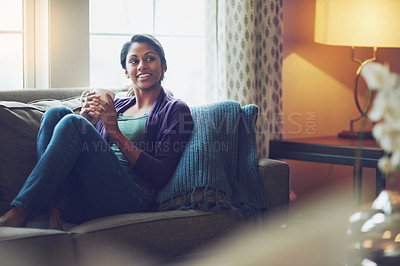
17 44
177 24
12 44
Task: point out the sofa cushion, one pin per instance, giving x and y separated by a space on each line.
19 125
26 246
152 235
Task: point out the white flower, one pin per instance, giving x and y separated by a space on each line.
395 160
385 165
375 75
386 105
392 109
378 108
386 112
390 164
388 135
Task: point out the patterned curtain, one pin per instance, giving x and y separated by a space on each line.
244 59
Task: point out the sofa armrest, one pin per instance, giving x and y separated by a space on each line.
275 179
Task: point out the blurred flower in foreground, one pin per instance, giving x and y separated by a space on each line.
385 111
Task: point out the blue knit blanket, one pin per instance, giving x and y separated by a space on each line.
218 169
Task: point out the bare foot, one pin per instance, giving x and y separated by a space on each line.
55 221
15 217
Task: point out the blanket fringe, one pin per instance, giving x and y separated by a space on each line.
212 199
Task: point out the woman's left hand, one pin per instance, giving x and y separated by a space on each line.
108 115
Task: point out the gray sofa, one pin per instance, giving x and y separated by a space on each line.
129 239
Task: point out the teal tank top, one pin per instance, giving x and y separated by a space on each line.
133 129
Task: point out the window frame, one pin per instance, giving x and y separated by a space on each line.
28 43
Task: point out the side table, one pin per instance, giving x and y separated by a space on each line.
334 150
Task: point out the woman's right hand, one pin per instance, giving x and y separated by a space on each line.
88 111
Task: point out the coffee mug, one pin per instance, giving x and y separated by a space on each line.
99 92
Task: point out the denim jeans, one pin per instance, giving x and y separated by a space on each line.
78 172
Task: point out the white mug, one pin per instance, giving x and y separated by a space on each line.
100 92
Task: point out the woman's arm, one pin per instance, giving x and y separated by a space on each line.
158 163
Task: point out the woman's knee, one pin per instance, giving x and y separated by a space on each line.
56 113
76 122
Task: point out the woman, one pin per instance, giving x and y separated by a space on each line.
111 159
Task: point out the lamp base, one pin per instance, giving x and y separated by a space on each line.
347 134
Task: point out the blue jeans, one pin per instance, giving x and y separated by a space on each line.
79 173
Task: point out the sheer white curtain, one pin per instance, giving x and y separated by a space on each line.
244 59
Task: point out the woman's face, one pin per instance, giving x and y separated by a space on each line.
143 66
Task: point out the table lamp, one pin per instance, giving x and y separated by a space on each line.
358 23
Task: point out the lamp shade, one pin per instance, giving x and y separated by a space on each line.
373 23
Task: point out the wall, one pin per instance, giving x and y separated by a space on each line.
68 43
318 86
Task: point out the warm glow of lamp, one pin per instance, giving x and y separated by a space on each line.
373 23
358 23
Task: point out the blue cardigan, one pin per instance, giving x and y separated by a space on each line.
168 128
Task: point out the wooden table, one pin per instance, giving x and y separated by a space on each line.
333 150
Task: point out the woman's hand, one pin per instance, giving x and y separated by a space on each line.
88 110
106 112
108 115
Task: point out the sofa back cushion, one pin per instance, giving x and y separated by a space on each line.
29 95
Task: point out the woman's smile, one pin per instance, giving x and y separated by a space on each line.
144 76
